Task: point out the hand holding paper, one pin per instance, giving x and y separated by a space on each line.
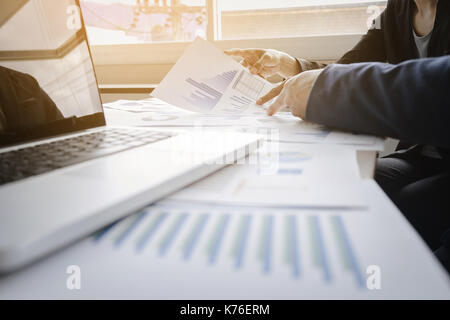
267 62
208 81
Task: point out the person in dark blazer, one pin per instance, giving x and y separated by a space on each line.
408 101
391 39
405 30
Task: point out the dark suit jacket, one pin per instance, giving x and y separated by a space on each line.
391 39
408 101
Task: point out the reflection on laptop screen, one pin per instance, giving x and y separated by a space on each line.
47 80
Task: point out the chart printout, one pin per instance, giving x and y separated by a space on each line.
182 250
206 80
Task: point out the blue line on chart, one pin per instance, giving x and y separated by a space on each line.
173 232
351 254
151 231
218 240
129 230
268 243
322 251
242 245
196 235
294 247
100 234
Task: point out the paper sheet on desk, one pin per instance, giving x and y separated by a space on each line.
153 112
284 174
156 113
189 251
206 80
152 105
294 129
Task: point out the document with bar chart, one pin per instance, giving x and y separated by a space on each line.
183 250
284 174
206 80
313 246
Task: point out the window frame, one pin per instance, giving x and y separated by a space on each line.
113 61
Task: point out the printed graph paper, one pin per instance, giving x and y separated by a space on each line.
249 85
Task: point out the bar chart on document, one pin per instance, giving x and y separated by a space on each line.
208 92
208 81
269 243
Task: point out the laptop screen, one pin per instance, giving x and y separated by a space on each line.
47 80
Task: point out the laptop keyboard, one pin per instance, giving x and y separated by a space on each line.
23 163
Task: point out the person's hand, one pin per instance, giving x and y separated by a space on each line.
292 93
267 62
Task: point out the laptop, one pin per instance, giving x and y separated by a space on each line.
64 173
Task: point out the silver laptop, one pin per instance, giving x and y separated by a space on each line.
63 172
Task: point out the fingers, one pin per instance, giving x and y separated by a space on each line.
276 106
232 52
261 64
247 56
258 61
243 53
271 94
267 72
244 63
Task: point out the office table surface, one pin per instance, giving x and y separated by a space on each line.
109 263
353 261
366 159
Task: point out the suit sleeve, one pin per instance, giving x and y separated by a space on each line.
409 101
371 47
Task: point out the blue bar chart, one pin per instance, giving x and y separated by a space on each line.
222 81
203 95
206 93
242 238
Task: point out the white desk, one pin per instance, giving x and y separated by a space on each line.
366 159
380 236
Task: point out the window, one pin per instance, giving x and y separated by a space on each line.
138 41
143 21
291 18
